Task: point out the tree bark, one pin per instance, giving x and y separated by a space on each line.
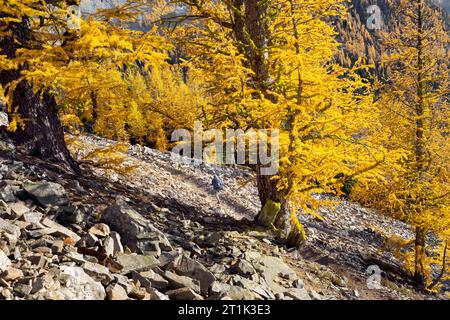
252 32
43 134
419 269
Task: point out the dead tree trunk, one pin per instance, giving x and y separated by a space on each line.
43 135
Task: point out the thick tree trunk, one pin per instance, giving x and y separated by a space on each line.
43 134
251 29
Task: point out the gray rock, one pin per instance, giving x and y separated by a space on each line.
195 270
59 230
183 294
171 259
124 282
220 290
118 248
4 121
298 294
149 279
156 295
262 290
136 263
116 292
243 268
57 246
32 217
218 269
185 244
89 240
18 209
298 284
136 232
10 228
75 256
6 294
79 285
178 282
97 272
39 261
270 269
22 290
11 274
38 285
4 261
47 193
314 295
7 194
108 247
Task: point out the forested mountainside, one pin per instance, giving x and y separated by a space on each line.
360 41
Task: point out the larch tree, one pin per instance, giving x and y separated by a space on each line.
268 65
414 185
103 74
43 136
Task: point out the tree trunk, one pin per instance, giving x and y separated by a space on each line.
43 134
419 269
252 31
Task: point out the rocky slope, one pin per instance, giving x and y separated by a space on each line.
160 233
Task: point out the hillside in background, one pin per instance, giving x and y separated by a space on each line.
358 41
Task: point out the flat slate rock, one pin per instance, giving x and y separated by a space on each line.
131 262
47 193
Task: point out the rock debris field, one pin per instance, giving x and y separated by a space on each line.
159 233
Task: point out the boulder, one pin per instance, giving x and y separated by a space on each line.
220 290
18 209
136 232
10 228
183 294
171 259
298 294
11 274
47 194
118 247
97 272
116 292
133 262
156 295
243 268
271 269
79 285
177 282
195 270
150 279
100 230
59 230
32 217
4 261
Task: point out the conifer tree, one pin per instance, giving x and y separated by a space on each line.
414 184
268 65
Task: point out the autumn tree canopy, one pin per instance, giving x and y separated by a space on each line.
137 71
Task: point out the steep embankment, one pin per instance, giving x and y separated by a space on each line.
188 245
